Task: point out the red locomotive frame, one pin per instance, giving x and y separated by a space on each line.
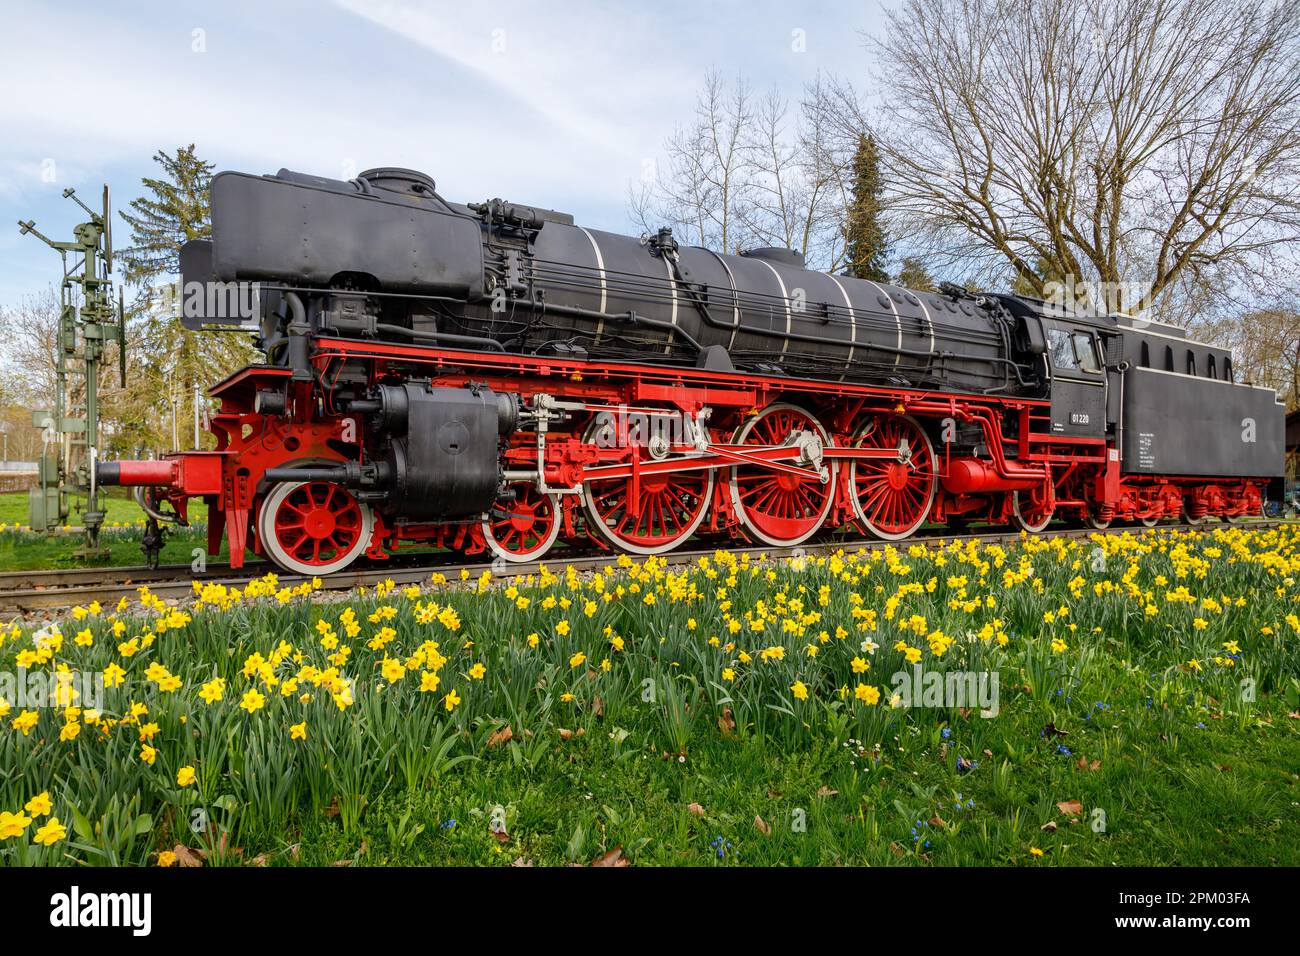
766 459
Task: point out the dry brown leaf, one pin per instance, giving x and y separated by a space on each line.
762 826
261 859
333 809
342 863
1084 764
696 809
565 733
502 736
613 858
597 707
938 821
897 849
825 791
988 753
1071 808
501 836
727 723
521 861
185 856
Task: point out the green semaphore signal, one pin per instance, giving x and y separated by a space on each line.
89 319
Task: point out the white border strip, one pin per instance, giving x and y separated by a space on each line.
897 321
785 295
672 287
600 264
853 323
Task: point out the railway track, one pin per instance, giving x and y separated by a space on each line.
37 591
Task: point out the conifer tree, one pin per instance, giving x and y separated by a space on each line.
867 247
175 208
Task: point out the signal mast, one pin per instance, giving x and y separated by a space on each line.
87 323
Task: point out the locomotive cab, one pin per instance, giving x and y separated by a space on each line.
1078 380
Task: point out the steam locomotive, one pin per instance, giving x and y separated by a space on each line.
493 377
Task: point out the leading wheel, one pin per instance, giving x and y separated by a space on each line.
313 527
523 529
892 497
782 508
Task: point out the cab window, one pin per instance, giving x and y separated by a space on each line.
1072 351
1062 349
1086 352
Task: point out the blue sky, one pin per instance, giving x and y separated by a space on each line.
548 103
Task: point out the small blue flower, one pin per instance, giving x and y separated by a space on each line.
1063 750
446 824
946 732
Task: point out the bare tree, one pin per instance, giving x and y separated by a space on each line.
699 191
1149 146
30 331
1265 343
794 186
749 172
133 417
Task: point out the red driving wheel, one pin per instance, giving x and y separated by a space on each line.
892 497
663 511
781 508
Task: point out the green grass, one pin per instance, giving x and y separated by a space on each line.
23 550
586 796
1173 673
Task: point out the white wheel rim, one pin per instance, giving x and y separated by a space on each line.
734 490
270 542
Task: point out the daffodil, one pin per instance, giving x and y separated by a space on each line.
40 805
13 824
51 832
